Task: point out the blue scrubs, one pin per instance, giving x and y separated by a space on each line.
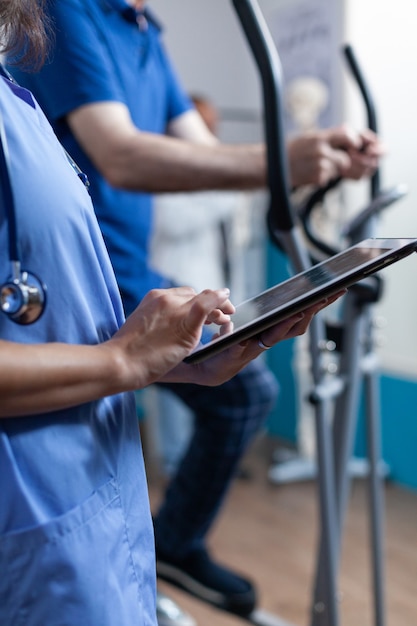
93 41
104 51
76 538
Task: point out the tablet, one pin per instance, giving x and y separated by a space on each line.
297 293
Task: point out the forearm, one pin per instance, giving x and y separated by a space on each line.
140 161
157 336
161 164
46 377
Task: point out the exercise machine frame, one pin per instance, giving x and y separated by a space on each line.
335 396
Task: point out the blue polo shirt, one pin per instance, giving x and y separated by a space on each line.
105 51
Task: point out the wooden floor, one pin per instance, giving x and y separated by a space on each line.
269 532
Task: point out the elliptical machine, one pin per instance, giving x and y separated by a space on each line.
335 394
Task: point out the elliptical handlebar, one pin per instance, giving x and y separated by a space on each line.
369 105
306 211
282 218
379 199
280 214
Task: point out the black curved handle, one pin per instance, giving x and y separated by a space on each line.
369 106
379 200
305 214
280 215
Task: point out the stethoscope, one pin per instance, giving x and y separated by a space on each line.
23 297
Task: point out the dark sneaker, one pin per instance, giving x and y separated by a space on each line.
168 612
212 583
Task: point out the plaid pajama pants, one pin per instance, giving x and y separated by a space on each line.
226 419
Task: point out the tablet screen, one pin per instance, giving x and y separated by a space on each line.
296 293
310 281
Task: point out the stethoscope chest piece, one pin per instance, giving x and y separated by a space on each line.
23 299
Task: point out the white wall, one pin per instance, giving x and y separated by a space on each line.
384 37
210 50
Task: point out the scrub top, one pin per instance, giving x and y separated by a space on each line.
106 51
76 539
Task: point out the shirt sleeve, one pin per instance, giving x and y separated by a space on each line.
80 69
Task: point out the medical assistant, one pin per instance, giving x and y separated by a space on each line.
105 51
76 539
